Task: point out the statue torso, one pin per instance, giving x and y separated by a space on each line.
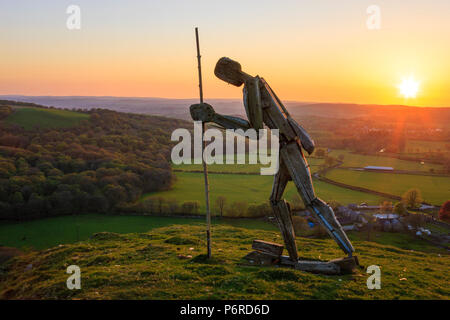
274 114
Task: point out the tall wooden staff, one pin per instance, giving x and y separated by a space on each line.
205 169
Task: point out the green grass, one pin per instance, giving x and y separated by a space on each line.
435 190
400 240
49 232
146 266
30 118
240 168
436 228
360 161
253 189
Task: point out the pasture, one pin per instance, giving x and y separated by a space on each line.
30 118
360 161
254 189
434 189
240 168
50 232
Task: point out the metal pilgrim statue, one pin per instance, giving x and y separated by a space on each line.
264 107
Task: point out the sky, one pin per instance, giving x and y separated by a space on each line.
321 51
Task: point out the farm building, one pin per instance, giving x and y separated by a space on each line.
376 168
385 216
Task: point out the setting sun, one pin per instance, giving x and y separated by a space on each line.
409 87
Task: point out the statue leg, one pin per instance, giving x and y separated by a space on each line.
282 211
298 169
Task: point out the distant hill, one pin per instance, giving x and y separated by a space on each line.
179 108
32 117
174 108
439 116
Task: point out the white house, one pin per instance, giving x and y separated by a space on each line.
379 168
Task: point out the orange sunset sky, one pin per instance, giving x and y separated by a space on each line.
307 50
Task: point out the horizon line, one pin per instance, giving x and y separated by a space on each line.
231 99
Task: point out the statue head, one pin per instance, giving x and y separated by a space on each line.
230 71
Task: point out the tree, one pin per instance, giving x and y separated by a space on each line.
98 203
5 111
399 208
17 198
447 165
220 204
6 210
386 206
329 161
416 220
190 207
35 205
444 212
261 210
61 202
149 205
160 201
412 198
95 166
370 225
319 153
296 203
115 194
237 209
300 225
319 231
173 206
334 204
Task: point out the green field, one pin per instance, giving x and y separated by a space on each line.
240 168
350 160
30 118
253 189
360 161
148 266
435 190
256 189
49 232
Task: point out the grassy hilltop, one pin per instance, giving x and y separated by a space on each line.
166 263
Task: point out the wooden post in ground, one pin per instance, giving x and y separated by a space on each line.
205 168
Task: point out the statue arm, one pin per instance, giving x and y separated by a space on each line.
230 122
306 140
205 113
253 108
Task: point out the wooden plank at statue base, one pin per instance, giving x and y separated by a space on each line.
268 247
317 267
347 265
261 258
269 254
